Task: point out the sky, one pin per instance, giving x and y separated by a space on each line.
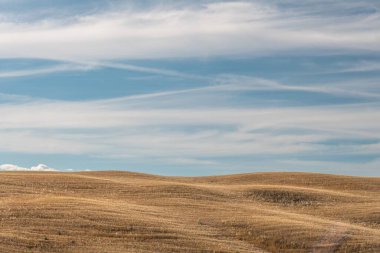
190 88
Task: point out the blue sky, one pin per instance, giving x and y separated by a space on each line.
200 88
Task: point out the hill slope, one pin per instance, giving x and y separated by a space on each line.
130 212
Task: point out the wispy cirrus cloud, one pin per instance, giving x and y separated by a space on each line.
219 28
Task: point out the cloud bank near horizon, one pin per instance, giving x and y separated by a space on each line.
156 127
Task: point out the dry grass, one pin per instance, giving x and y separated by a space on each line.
129 212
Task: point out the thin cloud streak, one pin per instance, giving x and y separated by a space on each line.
230 83
74 66
363 66
252 83
136 68
44 70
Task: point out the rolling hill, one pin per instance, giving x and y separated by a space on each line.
132 212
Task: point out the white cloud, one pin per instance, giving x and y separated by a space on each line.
224 28
12 167
41 167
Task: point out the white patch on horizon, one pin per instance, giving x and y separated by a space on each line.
12 167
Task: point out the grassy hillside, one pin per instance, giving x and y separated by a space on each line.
130 212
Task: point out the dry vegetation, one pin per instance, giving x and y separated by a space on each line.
129 212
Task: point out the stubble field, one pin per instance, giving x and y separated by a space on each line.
131 212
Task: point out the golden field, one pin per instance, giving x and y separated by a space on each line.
131 212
